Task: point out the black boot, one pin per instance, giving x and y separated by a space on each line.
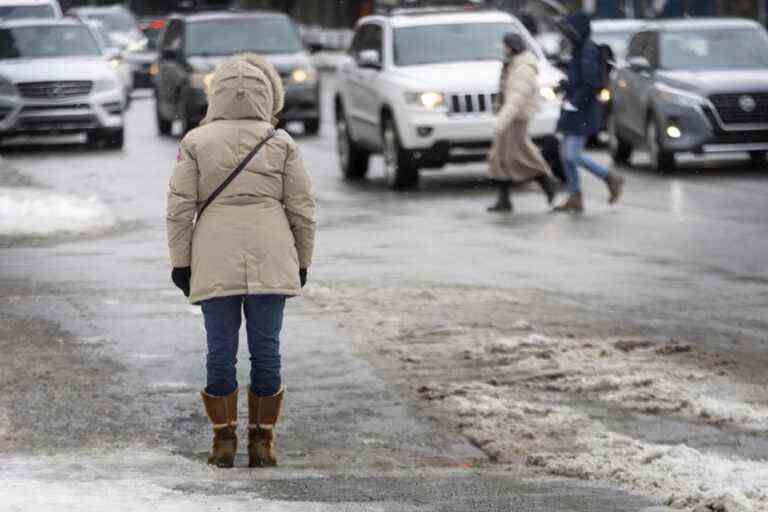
503 203
549 187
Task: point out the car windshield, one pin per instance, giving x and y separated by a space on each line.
225 37
47 41
618 42
115 21
454 42
714 49
26 11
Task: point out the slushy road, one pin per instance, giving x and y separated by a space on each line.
105 358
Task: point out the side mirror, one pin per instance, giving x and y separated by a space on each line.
369 59
639 64
113 53
170 54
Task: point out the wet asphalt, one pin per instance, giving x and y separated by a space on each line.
682 255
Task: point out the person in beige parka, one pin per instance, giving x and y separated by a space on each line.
514 158
248 252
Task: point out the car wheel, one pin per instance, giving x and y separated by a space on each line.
621 150
352 158
402 171
661 161
163 126
552 157
311 126
758 157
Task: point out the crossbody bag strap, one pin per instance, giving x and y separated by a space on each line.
234 174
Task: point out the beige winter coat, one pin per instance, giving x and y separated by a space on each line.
520 91
257 234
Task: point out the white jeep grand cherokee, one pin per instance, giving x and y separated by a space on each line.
420 87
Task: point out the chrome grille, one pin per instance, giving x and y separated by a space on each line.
55 90
731 107
482 103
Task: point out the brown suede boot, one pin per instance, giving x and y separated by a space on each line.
615 187
574 204
222 411
263 413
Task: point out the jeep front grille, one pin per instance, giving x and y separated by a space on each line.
741 108
482 103
55 90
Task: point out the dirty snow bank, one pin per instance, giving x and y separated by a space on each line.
526 384
39 212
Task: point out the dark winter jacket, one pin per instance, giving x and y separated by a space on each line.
584 80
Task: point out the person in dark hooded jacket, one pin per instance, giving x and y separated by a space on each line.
580 117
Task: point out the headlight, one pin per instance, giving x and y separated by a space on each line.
303 76
549 93
604 96
679 97
7 88
200 80
429 100
115 62
137 45
107 85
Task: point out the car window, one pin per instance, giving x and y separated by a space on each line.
172 38
426 44
234 35
115 21
26 11
650 49
47 41
637 45
715 49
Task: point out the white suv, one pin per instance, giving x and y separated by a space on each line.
420 87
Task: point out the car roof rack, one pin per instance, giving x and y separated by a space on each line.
415 7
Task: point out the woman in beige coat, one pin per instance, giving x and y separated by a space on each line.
249 251
514 158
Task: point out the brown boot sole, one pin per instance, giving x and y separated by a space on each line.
222 462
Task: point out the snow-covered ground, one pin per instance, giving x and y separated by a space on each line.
544 392
28 211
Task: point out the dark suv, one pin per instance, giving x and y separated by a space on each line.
192 45
696 86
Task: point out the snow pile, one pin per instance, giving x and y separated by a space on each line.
524 395
37 212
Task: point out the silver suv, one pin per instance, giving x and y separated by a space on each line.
54 79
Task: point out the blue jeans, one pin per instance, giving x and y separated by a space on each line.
264 320
572 155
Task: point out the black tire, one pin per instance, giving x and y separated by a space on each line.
353 158
662 161
402 170
108 139
620 149
311 126
163 126
758 157
552 156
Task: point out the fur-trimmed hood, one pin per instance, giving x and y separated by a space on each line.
244 86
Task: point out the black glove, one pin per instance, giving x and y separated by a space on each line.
303 276
180 277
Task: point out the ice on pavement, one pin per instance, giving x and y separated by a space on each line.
39 212
146 480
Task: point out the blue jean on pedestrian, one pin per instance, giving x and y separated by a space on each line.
572 155
264 320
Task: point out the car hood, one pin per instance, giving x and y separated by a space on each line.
466 76
284 63
721 81
43 70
